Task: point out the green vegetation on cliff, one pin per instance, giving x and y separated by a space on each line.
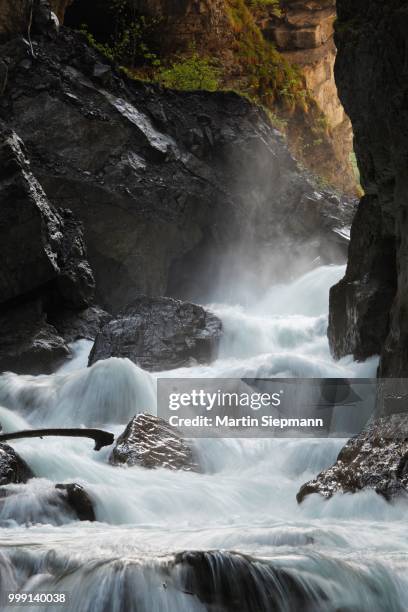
266 76
187 56
191 72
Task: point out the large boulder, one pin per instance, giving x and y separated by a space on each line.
178 191
375 459
13 469
150 442
159 334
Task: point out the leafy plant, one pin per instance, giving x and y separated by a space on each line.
192 72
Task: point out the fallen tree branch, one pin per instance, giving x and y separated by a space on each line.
101 438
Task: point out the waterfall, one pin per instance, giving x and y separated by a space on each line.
183 541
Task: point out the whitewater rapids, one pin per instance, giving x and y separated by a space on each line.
349 553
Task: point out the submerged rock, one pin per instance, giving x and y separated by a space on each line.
150 442
78 500
160 334
45 504
228 581
13 469
375 459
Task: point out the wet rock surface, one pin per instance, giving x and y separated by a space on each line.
44 265
78 500
368 307
142 166
13 469
150 442
375 459
160 334
228 581
30 230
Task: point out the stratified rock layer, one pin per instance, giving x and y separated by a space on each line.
303 34
159 334
368 307
150 442
375 459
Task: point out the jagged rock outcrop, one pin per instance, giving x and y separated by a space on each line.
44 265
368 307
30 231
13 469
375 459
38 244
187 172
150 442
77 499
159 334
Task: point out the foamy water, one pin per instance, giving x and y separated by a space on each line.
348 553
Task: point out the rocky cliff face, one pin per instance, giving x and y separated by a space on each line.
203 22
237 36
16 17
44 264
303 33
368 308
165 183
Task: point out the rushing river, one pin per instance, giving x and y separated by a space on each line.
347 554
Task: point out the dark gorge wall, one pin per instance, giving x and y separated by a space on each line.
369 307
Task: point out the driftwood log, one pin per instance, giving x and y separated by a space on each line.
101 438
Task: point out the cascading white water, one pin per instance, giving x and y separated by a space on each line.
349 553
